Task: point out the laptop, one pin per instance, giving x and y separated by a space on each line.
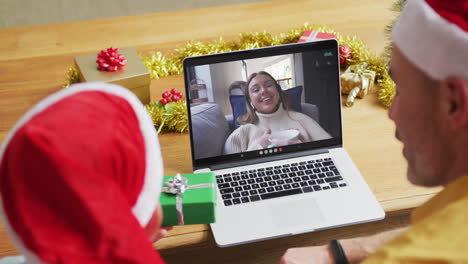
278 189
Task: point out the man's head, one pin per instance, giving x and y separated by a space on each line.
80 177
430 109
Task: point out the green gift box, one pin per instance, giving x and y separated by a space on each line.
191 197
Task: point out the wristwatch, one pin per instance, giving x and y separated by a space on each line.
338 252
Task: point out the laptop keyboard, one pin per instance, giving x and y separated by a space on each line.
278 181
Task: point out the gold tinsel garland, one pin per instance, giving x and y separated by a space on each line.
72 76
169 117
174 116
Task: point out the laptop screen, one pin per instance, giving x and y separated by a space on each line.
263 102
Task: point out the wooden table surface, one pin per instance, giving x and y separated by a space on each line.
34 61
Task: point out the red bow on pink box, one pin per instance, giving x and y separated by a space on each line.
110 60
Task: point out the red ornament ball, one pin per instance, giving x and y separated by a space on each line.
345 54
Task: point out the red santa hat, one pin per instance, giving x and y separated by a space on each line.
433 35
80 177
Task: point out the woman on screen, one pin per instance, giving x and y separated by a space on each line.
269 122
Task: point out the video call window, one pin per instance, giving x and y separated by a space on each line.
218 100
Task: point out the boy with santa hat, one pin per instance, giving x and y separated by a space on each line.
80 178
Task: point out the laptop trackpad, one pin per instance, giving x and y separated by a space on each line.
302 212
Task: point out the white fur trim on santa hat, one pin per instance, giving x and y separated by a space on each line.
429 41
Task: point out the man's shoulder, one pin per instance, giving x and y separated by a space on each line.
457 190
441 235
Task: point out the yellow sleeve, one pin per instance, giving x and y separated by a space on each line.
439 238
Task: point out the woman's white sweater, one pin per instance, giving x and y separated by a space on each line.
244 137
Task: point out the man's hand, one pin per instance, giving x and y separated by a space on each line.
153 228
306 255
160 233
356 249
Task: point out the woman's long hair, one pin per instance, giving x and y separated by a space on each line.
251 116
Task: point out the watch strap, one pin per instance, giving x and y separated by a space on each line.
338 252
